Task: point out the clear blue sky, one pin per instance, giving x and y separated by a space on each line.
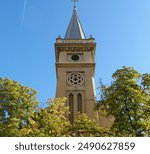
28 32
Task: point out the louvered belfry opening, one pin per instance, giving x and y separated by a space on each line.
71 107
79 99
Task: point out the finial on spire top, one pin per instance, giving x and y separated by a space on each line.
75 1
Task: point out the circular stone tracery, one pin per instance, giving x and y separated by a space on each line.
75 79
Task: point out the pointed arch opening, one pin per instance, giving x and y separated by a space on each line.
79 99
71 107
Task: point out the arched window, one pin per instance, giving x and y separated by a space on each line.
71 108
79 99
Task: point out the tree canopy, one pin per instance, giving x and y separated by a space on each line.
17 105
128 100
52 121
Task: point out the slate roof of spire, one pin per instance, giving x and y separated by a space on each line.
75 30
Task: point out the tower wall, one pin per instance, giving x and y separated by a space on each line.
75 68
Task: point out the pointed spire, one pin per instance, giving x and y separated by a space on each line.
75 30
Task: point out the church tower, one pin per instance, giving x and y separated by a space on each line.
75 67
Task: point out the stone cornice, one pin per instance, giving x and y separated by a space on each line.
75 64
76 48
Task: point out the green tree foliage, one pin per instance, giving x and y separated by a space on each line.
128 100
17 104
20 114
52 121
83 126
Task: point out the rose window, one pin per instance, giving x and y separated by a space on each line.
75 79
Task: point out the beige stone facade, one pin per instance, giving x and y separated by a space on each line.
75 68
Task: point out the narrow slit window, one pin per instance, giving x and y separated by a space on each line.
79 103
71 108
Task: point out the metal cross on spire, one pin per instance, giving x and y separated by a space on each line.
74 1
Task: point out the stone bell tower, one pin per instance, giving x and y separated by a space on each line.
75 67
